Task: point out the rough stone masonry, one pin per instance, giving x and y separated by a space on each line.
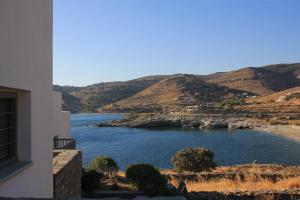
67 166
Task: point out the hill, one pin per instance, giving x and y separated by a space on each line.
277 96
89 98
171 94
71 102
286 101
259 80
174 91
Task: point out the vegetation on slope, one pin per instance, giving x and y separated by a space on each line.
259 80
286 101
172 94
89 98
241 178
235 179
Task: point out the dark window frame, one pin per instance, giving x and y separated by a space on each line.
12 117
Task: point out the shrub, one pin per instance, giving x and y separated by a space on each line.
261 115
193 160
131 116
147 178
292 96
230 103
105 165
90 180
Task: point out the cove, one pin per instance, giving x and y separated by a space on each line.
157 146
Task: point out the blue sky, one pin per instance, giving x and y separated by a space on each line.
109 40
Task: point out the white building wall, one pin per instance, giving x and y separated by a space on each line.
61 118
26 64
66 124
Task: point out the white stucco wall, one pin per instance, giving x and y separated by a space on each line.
62 118
66 115
26 64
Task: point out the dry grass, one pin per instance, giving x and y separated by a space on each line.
249 185
259 169
251 168
254 179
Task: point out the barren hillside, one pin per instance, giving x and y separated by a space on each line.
157 92
260 80
173 93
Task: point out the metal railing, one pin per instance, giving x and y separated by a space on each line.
64 143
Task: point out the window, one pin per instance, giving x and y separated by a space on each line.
7 128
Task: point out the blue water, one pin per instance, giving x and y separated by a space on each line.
157 146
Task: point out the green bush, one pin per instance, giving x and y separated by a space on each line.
147 178
132 115
105 165
193 160
90 180
261 115
230 103
292 96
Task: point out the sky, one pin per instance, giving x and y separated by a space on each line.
116 40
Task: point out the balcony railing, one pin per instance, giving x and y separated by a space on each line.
64 143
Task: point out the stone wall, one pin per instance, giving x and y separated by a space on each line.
67 166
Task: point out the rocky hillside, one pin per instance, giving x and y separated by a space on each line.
286 101
160 92
171 94
281 96
260 80
71 103
89 98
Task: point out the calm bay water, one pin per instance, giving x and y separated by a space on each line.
157 146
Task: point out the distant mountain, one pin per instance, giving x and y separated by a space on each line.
260 80
71 103
173 91
89 98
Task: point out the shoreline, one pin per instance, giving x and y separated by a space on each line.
291 132
207 121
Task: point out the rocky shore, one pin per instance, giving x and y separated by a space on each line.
205 121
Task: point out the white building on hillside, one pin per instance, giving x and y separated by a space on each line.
30 112
281 99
